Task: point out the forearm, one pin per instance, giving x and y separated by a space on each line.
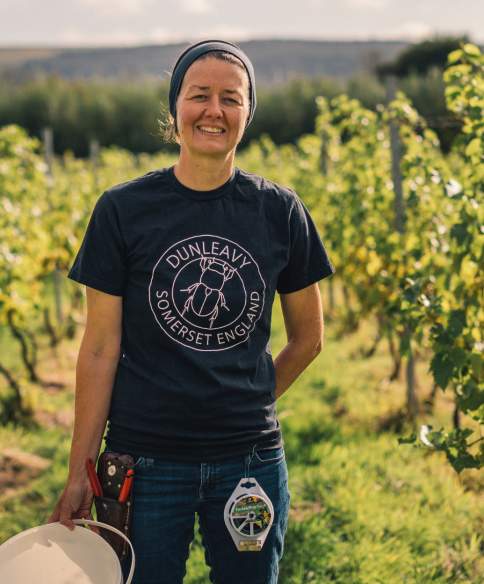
94 382
291 362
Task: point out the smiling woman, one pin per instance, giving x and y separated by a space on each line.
192 256
212 110
210 122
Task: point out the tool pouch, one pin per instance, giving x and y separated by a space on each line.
111 470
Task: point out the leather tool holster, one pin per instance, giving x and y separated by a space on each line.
111 470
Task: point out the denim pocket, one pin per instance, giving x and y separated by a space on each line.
269 455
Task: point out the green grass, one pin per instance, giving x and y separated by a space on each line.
364 509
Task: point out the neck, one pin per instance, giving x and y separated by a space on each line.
203 174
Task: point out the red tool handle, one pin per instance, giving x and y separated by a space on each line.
93 478
125 489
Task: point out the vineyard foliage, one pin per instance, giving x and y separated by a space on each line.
424 278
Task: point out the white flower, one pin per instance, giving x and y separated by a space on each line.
424 431
453 188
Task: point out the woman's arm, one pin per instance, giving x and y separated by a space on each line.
303 319
96 368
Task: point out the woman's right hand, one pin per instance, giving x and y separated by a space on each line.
75 502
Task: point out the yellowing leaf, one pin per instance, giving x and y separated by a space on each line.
374 264
468 270
454 56
473 147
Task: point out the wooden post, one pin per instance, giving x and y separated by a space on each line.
324 159
396 149
324 168
400 220
48 141
94 158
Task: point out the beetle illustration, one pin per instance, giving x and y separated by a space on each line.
205 296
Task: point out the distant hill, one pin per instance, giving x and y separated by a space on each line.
275 61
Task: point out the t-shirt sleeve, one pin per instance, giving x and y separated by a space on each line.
308 261
101 260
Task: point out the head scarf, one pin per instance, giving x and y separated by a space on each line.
192 53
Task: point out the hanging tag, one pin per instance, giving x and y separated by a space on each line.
248 515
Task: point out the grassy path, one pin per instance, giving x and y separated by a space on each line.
365 510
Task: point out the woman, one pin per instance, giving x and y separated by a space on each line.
181 267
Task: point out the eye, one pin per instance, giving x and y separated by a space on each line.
231 99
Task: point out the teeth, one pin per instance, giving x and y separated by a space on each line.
210 129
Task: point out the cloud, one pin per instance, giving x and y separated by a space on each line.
197 6
70 36
223 32
118 6
411 29
77 38
163 36
377 4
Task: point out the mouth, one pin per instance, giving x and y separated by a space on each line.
212 131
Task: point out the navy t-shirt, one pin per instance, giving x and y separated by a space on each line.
197 271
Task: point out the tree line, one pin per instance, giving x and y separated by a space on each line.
127 114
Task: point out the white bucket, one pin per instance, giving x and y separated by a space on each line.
53 554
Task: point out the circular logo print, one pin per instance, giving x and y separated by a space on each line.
207 293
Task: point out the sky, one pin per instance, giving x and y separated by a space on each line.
90 23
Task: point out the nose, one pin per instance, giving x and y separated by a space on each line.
213 106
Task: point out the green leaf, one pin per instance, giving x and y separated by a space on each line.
459 232
408 439
458 357
472 397
457 322
463 461
437 438
441 368
477 363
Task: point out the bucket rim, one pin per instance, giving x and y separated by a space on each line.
81 523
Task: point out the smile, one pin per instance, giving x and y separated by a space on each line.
210 131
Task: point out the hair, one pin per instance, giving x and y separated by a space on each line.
167 123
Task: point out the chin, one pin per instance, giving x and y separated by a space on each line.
214 149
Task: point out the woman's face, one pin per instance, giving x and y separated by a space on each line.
213 96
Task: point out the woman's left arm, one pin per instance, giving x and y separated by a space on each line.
303 319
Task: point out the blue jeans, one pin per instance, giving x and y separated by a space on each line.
166 496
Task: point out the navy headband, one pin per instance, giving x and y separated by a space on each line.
192 53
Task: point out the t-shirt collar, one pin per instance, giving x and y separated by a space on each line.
216 193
